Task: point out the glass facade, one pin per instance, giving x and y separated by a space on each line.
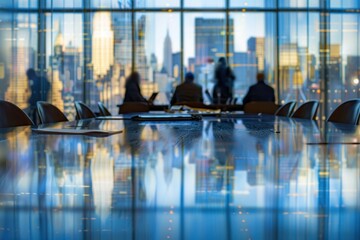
85 49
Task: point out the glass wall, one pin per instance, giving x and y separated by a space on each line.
86 49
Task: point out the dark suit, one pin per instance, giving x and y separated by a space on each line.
260 92
133 93
187 92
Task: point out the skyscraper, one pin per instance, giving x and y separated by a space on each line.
210 39
167 65
210 45
102 44
257 46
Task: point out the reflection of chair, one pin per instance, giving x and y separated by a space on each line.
260 107
286 110
48 113
103 110
307 111
12 116
83 111
348 112
133 107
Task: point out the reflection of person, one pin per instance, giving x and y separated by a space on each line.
187 91
223 89
132 89
259 91
40 87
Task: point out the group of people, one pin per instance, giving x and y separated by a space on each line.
189 91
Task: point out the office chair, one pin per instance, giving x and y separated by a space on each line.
286 110
134 107
48 113
347 112
103 110
307 111
12 116
83 111
260 107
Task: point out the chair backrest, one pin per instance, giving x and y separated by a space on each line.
83 111
260 107
48 113
133 107
103 110
286 110
348 112
307 111
12 116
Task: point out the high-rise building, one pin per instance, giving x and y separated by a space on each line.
176 66
168 63
257 45
102 44
210 39
210 45
142 65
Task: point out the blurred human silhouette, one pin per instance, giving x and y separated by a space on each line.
223 89
187 91
40 88
132 89
259 92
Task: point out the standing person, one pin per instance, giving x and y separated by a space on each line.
224 86
40 88
259 92
132 89
187 91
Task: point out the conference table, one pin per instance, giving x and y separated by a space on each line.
231 176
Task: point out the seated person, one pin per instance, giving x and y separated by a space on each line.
187 91
132 89
259 92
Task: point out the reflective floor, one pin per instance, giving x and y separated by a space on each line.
244 178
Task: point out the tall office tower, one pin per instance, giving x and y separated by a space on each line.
352 70
102 44
210 42
176 62
122 28
142 65
210 36
335 67
18 91
257 45
245 68
168 65
57 71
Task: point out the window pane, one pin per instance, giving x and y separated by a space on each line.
254 3
344 4
64 3
157 3
18 47
64 54
255 50
19 3
299 57
343 66
111 58
204 41
158 53
111 3
204 4
298 3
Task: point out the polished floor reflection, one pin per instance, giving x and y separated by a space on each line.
229 178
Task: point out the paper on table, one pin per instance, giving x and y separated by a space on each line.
88 132
166 117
